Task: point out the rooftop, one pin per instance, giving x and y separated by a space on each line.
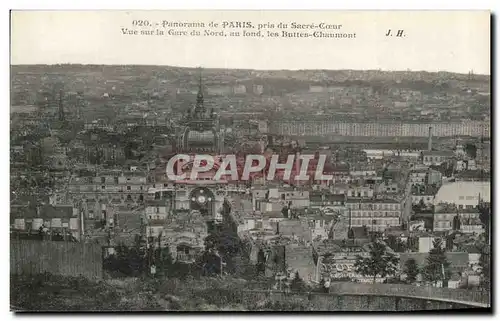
372 201
444 153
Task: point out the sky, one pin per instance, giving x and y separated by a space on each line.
455 41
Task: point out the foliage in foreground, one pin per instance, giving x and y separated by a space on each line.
46 292
380 262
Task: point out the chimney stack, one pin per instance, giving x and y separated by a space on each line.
430 139
297 167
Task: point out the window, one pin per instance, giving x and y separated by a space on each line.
103 187
460 206
128 188
157 210
103 180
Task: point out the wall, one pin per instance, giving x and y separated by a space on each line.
382 297
62 258
343 302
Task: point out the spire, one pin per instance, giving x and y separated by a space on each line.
199 98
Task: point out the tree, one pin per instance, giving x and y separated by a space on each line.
321 287
380 262
297 283
261 262
471 150
411 269
422 204
284 211
163 259
437 265
484 262
484 216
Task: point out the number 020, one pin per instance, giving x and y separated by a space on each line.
140 23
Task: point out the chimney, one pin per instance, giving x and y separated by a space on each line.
430 139
297 168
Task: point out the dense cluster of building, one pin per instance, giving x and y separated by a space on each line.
107 183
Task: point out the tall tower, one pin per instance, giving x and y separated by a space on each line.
61 107
200 106
201 131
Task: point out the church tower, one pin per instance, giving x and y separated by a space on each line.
201 131
200 109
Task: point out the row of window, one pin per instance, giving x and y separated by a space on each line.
373 206
128 198
468 198
156 217
450 216
115 180
377 222
374 214
129 188
442 224
432 159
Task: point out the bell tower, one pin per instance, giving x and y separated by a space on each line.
201 131
200 109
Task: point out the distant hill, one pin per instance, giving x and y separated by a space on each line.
132 79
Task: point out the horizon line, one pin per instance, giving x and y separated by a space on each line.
248 69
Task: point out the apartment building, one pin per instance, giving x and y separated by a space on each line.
448 217
375 214
353 190
436 157
108 187
423 194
